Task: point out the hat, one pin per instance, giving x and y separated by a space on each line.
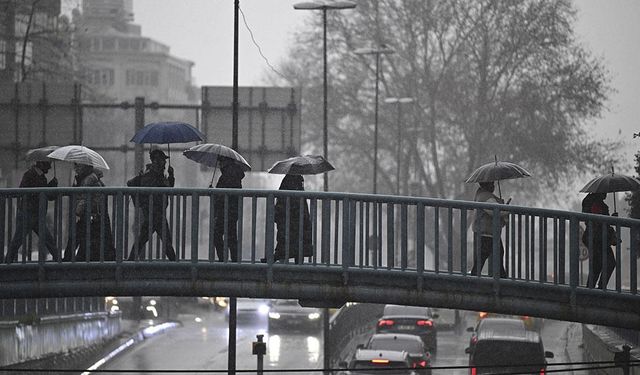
154 154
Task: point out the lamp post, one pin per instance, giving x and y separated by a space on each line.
324 5
398 102
377 51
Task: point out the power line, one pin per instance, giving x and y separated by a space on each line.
592 366
266 60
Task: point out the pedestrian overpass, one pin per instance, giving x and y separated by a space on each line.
366 248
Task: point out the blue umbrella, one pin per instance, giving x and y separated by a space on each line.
167 132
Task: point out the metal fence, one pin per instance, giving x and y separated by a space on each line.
349 230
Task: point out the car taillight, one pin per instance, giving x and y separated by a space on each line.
422 364
474 371
542 371
483 314
424 323
474 339
385 323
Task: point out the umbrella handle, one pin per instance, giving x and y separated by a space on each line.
54 169
499 191
169 153
614 200
213 174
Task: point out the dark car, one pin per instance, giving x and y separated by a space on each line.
418 355
515 350
287 315
413 320
532 323
496 324
388 362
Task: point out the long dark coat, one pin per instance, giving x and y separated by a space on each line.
292 182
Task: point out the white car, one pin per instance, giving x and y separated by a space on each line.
250 309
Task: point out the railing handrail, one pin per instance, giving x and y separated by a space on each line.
308 194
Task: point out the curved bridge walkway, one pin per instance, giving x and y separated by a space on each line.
364 248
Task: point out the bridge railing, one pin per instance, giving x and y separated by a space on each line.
421 235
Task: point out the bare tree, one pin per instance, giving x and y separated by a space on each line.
503 78
38 41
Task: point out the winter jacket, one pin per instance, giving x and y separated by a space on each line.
592 204
152 178
231 178
34 178
483 221
294 212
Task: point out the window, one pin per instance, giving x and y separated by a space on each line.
3 54
108 44
102 77
142 77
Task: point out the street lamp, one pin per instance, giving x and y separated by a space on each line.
324 5
377 51
398 102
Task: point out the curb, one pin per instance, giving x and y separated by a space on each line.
135 339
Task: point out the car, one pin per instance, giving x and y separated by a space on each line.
507 350
532 323
496 324
412 320
391 361
287 315
412 344
250 309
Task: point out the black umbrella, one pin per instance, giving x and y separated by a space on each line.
300 165
611 183
496 171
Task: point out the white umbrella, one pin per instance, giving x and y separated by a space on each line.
79 154
211 154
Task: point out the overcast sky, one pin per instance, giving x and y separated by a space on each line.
202 31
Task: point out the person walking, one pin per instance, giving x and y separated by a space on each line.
153 177
93 221
599 246
27 214
483 227
230 178
288 235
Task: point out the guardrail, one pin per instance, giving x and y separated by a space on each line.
349 232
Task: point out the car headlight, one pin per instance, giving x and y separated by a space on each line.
314 316
274 315
263 309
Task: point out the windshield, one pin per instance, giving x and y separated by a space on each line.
406 310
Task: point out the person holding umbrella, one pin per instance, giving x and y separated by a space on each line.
230 178
290 211
233 166
97 219
594 238
598 236
482 226
28 209
153 177
288 234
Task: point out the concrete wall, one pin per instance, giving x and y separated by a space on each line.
600 344
21 342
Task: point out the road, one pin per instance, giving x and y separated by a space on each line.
201 344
